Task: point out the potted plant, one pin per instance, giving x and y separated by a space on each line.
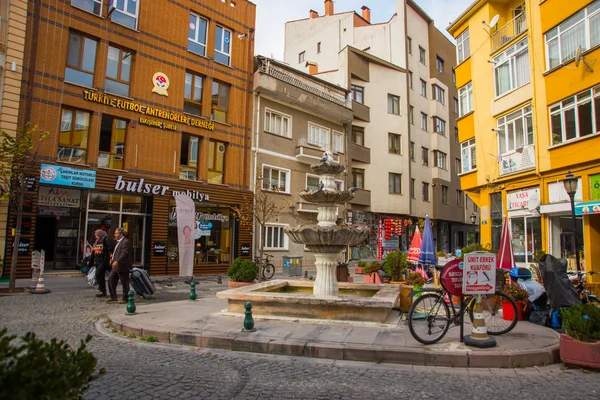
580 344
370 273
520 296
242 273
359 269
395 265
414 281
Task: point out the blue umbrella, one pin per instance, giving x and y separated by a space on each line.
428 255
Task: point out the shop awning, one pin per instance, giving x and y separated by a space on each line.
588 207
555 208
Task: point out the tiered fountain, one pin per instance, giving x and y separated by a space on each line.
329 299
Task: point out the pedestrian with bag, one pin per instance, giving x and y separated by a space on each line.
100 260
122 263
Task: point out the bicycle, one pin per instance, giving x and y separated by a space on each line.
429 315
267 268
585 294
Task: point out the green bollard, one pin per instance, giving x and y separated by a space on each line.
130 309
248 321
193 291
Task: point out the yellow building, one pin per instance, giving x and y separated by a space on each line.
530 113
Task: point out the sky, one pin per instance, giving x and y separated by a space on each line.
271 16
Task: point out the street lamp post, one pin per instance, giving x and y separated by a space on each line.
570 183
473 220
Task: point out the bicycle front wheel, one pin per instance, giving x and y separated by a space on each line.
428 318
268 271
498 319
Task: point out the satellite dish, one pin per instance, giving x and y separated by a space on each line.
578 55
534 203
494 21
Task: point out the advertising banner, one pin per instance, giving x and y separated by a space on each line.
65 176
186 219
479 275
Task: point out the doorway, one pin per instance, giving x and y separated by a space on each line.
45 238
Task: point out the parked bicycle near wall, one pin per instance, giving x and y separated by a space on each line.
267 268
585 294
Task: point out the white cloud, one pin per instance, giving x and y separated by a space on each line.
271 16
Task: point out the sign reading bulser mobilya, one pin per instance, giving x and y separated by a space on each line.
171 116
65 176
141 186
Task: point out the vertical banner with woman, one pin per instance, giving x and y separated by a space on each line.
186 219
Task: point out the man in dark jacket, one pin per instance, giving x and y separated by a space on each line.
122 263
100 258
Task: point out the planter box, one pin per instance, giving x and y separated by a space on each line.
582 354
508 313
405 301
358 270
373 278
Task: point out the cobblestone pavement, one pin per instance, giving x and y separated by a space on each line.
138 369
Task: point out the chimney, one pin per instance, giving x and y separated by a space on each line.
366 13
328 7
313 67
313 14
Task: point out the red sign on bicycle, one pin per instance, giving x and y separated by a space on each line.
452 277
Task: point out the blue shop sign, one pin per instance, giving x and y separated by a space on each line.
65 176
589 207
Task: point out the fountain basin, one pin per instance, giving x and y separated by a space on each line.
326 196
294 298
327 236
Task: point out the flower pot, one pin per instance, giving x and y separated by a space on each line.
581 354
405 301
350 279
358 270
508 313
234 285
372 278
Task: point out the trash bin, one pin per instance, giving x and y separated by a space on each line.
292 265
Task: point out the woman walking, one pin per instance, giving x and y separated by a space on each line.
100 259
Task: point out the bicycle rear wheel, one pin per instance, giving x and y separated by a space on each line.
493 312
428 318
268 271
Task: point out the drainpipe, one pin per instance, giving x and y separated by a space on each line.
35 32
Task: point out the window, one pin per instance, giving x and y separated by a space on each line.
439 126
125 13
439 94
475 207
118 70
465 96
276 179
469 159
197 34
423 88
582 29
459 197
576 116
425 156
444 194
439 64
220 101
411 151
410 79
81 60
411 115
456 136
112 142
358 135
93 6
453 76
358 178
393 104
457 169
275 238
511 68
73 136
409 45
515 130
455 104
422 56
318 135
222 45
412 189
394 143
188 162
440 159
318 47
463 48
425 191
278 123
301 57
192 93
216 162
424 121
312 182
357 93
395 183
338 142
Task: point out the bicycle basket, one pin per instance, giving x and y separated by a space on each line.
500 280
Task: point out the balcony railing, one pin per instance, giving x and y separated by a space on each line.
508 32
520 160
337 96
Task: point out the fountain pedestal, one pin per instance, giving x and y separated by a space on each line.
326 283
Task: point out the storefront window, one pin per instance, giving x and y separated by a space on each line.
496 206
526 238
562 240
213 234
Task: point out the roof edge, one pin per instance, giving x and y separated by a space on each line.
464 15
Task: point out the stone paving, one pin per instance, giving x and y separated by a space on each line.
156 371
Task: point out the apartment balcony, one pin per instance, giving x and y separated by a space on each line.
509 32
362 197
308 152
359 153
522 159
361 111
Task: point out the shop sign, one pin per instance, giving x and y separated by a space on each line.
595 187
159 249
245 250
128 105
30 180
589 207
24 247
523 199
139 186
202 229
65 176
58 197
558 194
452 277
161 83
479 274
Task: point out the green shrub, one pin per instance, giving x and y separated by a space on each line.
373 266
36 369
362 264
242 271
582 322
415 278
395 264
474 247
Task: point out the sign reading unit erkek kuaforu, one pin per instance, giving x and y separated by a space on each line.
479 275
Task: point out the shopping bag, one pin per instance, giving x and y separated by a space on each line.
91 277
